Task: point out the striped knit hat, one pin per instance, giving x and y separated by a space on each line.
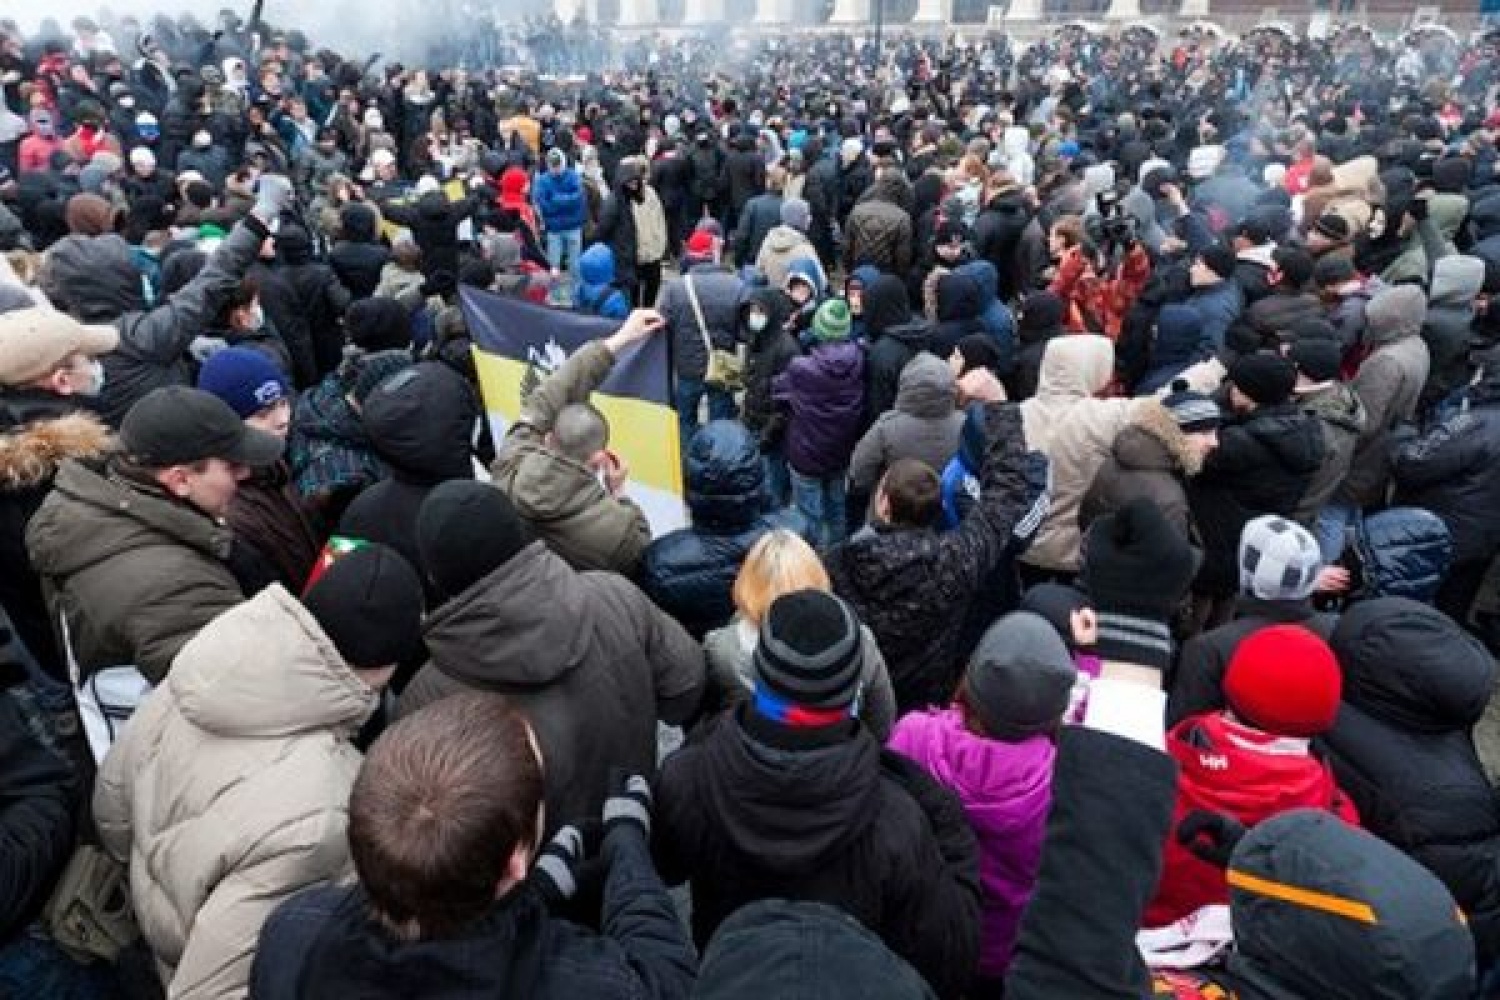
808 661
1193 411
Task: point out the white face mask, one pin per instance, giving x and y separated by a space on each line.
757 322
257 318
96 379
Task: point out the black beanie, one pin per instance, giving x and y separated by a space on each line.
1266 378
809 660
369 604
465 531
378 324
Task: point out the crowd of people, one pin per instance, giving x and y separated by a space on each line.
1091 455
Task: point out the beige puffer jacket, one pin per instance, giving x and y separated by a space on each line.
229 789
1076 432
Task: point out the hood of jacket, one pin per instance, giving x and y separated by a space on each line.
888 188
266 669
725 477
596 266
983 274
1154 443
30 454
1456 281
94 278
777 308
503 633
808 270
92 516
885 304
797 809
1338 404
959 297
1409 665
1414 943
1448 211
1076 366
926 388
1485 215
357 223
420 420
782 239
1395 313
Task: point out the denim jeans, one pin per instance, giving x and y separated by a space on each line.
569 243
821 501
1334 520
687 394
778 476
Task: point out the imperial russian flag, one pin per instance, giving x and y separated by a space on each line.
517 344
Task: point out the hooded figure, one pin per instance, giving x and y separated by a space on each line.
879 230
1389 384
597 292
359 256
1457 281
924 425
895 337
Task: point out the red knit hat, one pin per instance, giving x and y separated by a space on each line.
1284 680
702 245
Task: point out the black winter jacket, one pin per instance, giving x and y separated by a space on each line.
751 810
1262 465
767 355
894 340
433 222
1414 685
690 572
358 257
744 174
323 943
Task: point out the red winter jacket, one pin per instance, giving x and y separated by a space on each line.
1249 774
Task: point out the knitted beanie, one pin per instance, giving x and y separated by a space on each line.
1279 560
378 324
832 321
1193 411
1266 378
1316 358
1020 677
247 380
465 531
808 661
369 604
1284 680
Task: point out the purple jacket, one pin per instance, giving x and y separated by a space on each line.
825 392
1006 790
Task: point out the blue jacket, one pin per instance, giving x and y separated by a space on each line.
1403 552
560 200
996 318
690 573
1217 306
596 292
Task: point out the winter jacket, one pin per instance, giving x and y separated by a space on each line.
1065 422
269 517
135 572
324 943
760 215
895 338
228 792
959 301
1389 384
1217 306
879 230
824 394
95 279
560 497
718 290
924 425
767 355
1456 282
781 246
1275 314
560 200
997 239
1238 771
689 573
1342 418
730 655
994 316
1414 686
1403 552
320 300
617 228
596 292
358 257
1006 790
38 813
433 221
589 659
1453 470
1150 458
744 174
914 586
38 431
1177 344
745 813
1263 464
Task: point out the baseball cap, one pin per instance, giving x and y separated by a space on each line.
35 341
177 425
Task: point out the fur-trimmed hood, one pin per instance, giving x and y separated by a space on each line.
30 454
1153 440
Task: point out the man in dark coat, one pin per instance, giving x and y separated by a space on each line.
790 796
998 238
912 585
690 572
744 176
770 347
434 222
358 256
761 214
895 337
879 230
444 824
319 296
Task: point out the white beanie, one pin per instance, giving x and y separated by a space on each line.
1274 174
382 158
374 119
142 157
851 149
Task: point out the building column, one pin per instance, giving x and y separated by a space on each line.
1024 10
638 13
702 11
850 12
566 10
772 12
1124 10
931 12
1194 9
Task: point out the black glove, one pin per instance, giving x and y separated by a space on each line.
1211 836
629 803
555 870
1136 567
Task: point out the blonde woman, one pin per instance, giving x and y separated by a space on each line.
780 563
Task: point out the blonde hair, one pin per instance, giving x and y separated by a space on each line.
780 562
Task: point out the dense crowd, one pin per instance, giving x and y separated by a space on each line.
1091 455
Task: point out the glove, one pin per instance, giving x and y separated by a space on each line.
203 348
273 195
629 803
555 868
1136 567
1210 836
